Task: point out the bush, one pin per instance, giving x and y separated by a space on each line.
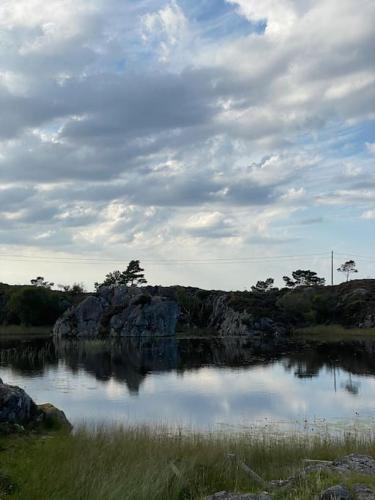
34 306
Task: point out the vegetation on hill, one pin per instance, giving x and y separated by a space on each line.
33 305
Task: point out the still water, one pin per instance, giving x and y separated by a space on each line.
203 384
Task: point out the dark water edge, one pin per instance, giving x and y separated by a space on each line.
198 382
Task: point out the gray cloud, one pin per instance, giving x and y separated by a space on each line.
101 141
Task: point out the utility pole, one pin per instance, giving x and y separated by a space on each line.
332 268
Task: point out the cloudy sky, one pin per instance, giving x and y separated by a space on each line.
184 133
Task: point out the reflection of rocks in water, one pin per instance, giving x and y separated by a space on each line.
28 357
130 360
125 360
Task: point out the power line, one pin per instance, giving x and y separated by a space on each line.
98 260
365 257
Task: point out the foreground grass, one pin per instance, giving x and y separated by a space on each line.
14 330
149 464
334 333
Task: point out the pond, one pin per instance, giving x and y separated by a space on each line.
197 383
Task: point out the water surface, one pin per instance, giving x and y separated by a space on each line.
200 383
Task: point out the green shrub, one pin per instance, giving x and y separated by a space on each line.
35 306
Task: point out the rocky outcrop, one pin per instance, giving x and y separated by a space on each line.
83 320
121 312
229 321
18 409
161 311
337 492
348 467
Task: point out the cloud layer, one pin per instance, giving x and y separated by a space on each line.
154 128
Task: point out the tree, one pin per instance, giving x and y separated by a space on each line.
34 305
40 282
263 286
303 278
348 268
132 276
75 289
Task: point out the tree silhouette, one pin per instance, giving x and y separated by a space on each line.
303 278
40 282
132 276
348 268
263 286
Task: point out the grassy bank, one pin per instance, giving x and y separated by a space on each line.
334 333
147 464
10 330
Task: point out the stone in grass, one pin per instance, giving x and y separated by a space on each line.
18 410
7 487
226 495
53 418
363 492
337 492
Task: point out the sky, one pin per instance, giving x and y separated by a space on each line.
219 142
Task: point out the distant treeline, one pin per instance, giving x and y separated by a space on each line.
33 305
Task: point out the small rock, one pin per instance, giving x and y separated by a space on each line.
363 492
6 485
53 417
7 428
362 464
227 495
337 492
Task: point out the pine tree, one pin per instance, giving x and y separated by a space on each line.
132 276
348 268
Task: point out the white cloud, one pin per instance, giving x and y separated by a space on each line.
369 215
166 27
280 15
44 23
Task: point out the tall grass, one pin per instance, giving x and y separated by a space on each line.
37 331
143 463
334 333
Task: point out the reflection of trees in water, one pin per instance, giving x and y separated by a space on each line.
357 357
351 386
130 360
29 357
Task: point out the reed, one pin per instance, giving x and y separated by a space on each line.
156 463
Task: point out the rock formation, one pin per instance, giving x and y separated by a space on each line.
18 409
161 311
121 312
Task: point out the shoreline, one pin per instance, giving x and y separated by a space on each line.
170 465
324 332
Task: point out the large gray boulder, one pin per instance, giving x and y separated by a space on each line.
16 407
83 320
120 312
157 318
229 322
